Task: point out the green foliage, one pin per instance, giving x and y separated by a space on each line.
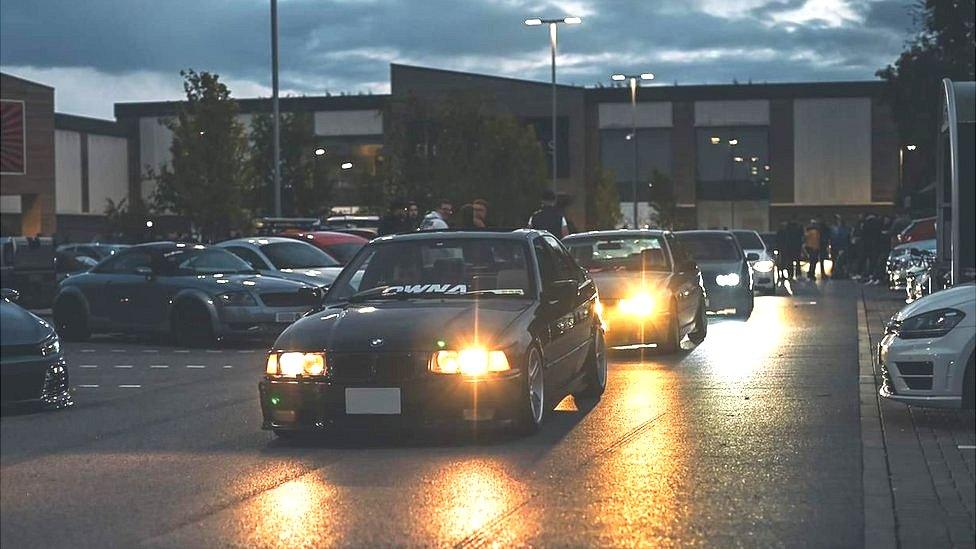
460 150
605 202
126 222
210 174
662 201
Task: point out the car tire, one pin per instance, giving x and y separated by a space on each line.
746 311
533 402
969 385
71 319
701 326
595 368
672 339
191 325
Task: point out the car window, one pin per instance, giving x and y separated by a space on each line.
619 252
126 263
749 240
547 264
344 252
297 255
431 268
183 262
710 246
249 257
566 268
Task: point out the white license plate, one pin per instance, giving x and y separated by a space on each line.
286 317
385 400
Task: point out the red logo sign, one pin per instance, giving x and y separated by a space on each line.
12 137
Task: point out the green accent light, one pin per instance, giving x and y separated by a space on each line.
441 343
275 400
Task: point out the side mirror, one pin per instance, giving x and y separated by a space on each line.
752 256
144 271
10 294
563 290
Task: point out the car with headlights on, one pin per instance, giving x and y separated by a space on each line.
196 293
441 327
650 291
32 365
725 272
927 353
761 260
287 258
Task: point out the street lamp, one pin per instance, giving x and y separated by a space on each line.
901 165
535 22
275 118
634 79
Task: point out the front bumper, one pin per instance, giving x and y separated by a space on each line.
35 381
303 405
721 298
924 372
256 321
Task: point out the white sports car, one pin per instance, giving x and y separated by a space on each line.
761 260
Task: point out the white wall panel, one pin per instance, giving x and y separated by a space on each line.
732 113
108 170
67 171
10 204
832 151
154 142
335 123
657 114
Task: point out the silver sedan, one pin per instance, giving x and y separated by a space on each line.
287 258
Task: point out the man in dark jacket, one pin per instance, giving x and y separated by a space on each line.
550 217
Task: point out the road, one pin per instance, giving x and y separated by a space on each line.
752 438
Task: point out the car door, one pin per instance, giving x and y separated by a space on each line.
578 318
687 291
123 282
556 315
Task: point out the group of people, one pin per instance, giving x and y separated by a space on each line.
858 251
403 218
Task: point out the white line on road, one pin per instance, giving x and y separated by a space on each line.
118 350
182 351
88 366
150 350
966 447
88 350
246 351
124 366
196 366
129 386
155 366
214 351
227 366
87 386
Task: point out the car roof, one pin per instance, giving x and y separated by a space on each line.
618 232
257 240
495 234
709 232
331 235
167 245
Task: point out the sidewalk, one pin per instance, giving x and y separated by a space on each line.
928 454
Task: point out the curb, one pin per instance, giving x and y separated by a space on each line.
880 524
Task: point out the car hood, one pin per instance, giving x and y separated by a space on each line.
321 276
403 325
19 327
955 297
619 284
714 268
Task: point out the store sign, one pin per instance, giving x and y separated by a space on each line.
12 147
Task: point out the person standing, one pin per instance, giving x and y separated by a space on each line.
479 211
795 251
840 243
784 246
413 216
437 218
394 221
811 247
825 231
872 239
549 217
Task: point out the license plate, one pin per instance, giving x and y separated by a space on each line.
373 400
286 317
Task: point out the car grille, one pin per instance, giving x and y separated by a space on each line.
916 375
303 298
19 351
22 385
391 368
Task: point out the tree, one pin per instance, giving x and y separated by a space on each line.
941 48
209 175
605 205
307 180
662 200
126 222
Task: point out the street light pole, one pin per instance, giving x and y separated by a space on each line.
633 79
534 22
275 122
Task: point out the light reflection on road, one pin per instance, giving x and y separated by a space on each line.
299 513
734 351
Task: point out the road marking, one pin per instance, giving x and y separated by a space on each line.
155 366
88 366
125 366
118 350
129 386
966 447
182 351
227 366
214 351
246 351
87 386
196 366
88 350
150 350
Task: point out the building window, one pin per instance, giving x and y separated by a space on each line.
653 154
733 163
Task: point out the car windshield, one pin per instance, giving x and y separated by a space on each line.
183 262
297 255
345 251
749 240
710 247
620 252
436 269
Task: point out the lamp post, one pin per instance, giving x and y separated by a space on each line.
901 167
633 80
534 22
275 122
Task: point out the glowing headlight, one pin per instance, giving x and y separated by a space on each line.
763 266
731 279
295 364
641 304
51 346
469 362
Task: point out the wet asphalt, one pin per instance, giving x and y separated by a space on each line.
750 439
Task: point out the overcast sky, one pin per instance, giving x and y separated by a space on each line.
97 52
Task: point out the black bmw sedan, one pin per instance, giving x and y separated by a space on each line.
725 270
441 327
32 367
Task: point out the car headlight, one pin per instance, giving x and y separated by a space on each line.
237 299
931 324
469 362
763 266
639 304
51 345
294 364
731 279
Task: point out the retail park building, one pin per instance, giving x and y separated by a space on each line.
799 150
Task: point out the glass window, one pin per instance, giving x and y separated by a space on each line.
249 257
547 264
566 268
733 163
126 263
710 246
344 252
297 255
653 154
184 262
748 240
619 252
437 269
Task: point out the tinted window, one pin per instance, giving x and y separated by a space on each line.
566 268
710 247
344 252
748 240
297 255
126 263
249 257
613 252
207 261
547 263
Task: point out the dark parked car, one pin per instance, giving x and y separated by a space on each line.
195 292
725 272
441 327
94 250
650 292
32 367
341 246
27 265
287 258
